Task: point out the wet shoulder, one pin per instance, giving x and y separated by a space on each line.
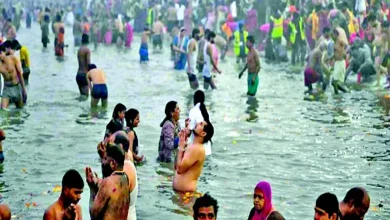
275 215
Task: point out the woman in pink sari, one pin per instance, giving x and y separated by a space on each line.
262 201
129 33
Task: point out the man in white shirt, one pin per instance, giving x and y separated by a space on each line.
180 8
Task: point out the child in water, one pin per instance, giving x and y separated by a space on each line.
143 50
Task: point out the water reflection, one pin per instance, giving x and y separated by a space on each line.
253 105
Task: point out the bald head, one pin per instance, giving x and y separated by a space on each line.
5 212
356 204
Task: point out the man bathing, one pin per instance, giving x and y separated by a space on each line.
110 199
97 85
84 58
14 88
253 66
158 31
190 159
66 206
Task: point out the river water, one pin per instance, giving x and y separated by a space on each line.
303 148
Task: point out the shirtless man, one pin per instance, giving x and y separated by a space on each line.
192 56
190 159
355 204
66 206
97 85
339 70
14 87
313 70
84 58
144 48
253 66
376 30
121 139
110 197
201 43
158 31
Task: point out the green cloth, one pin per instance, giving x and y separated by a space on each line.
252 87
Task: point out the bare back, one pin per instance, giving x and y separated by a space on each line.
113 198
188 181
158 28
97 76
84 58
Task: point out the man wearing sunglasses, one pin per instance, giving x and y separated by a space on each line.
205 208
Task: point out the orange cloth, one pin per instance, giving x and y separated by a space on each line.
86 28
315 21
227 31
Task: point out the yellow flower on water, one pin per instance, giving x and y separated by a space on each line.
57 188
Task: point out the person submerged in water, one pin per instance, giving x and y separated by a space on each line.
205 207
190 159
84 59
97 85
169 137
262 201
117 121
313 71
327 207
14 88
158 31
120 139
66 206
110 199
132 118
355 204
192 56
144 48
253 67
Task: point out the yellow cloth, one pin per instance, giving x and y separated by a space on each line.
353 26
24 56
315 22
277 30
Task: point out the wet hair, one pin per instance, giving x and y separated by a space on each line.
195 32
85 39
72 180
2 48
329 203
46 18
7 44
354 195
371 17
210 35
58 17
116 153
169 108
130 116
251 39
9 19
207 31
16 45
91 66
199 97
385 24
118 108
205 201
326 30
